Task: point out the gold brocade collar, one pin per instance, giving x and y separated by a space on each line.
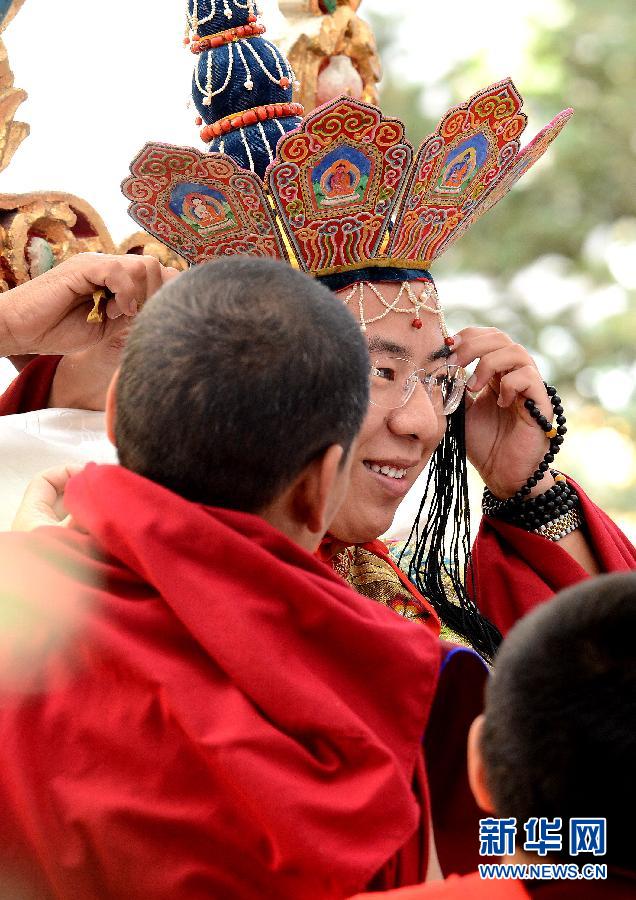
374 577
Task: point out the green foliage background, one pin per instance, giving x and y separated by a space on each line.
584 192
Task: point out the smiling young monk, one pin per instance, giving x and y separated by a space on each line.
191 704
372 242
421 420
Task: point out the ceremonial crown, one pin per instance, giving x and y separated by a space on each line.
344 190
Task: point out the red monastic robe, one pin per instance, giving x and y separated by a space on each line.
516 570
618 886
30 390
192 706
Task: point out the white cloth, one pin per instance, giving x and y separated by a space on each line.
7 374
34 441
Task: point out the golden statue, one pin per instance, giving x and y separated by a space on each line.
331 50
11 133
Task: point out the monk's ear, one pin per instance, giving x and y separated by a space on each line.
320 489
476 768
111 408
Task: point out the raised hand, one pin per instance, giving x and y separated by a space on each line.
503 442
48 314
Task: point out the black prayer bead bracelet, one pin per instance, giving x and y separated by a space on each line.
554 513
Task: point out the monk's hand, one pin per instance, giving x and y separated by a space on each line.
43 501
503 442
49 314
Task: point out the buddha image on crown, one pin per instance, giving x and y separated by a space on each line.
461 165
341 177
204 209
335 192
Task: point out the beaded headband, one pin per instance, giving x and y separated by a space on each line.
341 194
351 286
427 301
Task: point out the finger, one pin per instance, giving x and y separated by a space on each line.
147 276
478 332
126 280
154 275
473 331
84 273
59 476
168 273
36 508
41 497
478 343
114 310
498 362
39 492
522 384
123 276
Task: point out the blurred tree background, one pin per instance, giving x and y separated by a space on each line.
554 264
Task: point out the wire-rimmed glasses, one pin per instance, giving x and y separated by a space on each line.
393 380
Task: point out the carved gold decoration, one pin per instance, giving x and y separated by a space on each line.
52 226
41 229
313 38
50 222
11 133
142 243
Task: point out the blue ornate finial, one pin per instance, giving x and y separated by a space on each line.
242 84
4 9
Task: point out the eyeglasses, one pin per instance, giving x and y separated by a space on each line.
393 381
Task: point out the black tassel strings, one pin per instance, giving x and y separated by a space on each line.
436 553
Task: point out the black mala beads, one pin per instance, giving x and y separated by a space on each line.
554 513
554 433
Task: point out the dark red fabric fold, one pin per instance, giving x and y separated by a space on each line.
441 783
516 570
30 390
198 708
455 814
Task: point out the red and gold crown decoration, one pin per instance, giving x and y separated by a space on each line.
201 205
345 190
